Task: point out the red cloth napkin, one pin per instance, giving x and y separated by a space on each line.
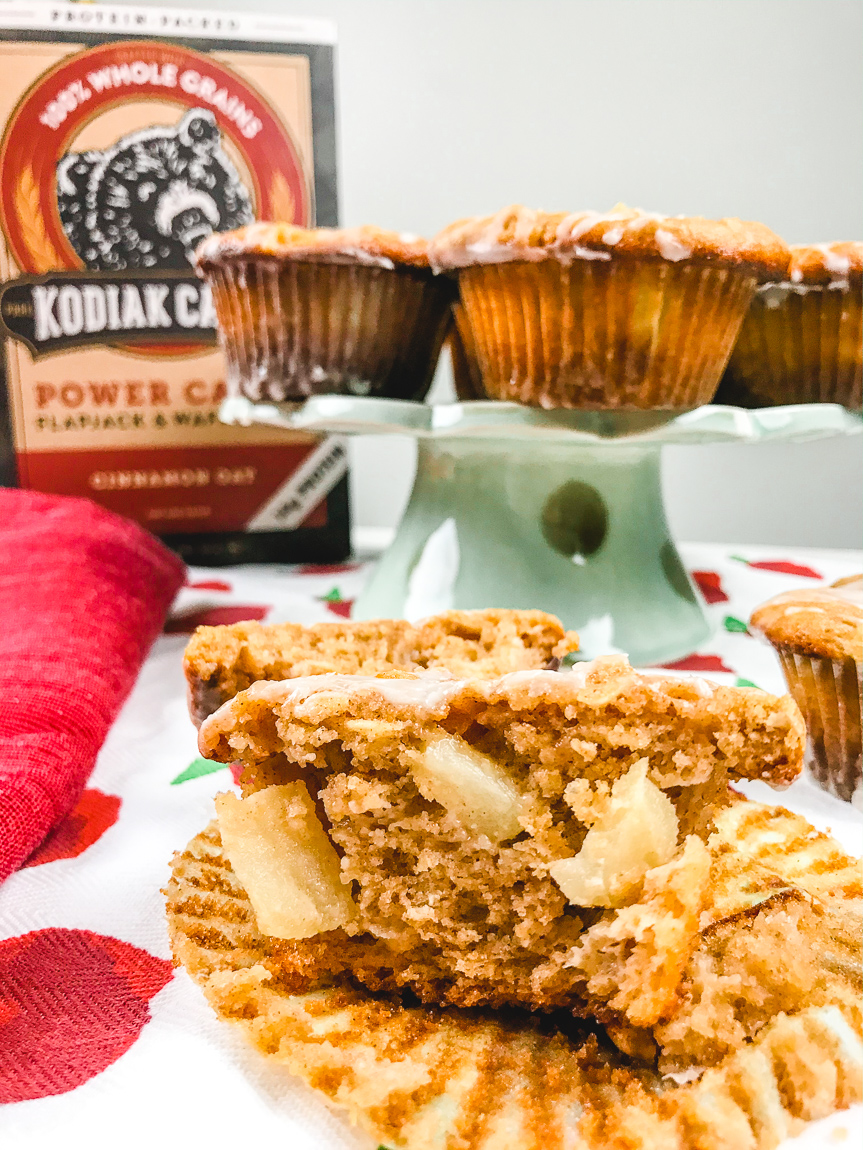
83 594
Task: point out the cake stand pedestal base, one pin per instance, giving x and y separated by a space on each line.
575 530
561 510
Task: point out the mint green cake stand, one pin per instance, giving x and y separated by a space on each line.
559 510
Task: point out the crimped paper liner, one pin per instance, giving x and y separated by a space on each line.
828 692
465 368
290 330
418 1078
798 344
626 334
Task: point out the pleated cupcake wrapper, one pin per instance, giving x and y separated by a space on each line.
799 345
594 334
295 329
465 368
428 1079
828 693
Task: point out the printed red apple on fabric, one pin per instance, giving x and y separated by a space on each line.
209 585
71 1003
779 567
93 814
187 622
699 663
710 586
327 568
336 605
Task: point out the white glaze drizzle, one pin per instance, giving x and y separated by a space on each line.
430 691
364 257
702 686
258 240
538 682
572 227
670 247
849 593
492 252
774 295
835 264
565 247
581 253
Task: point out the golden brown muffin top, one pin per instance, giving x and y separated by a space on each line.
364 245
825 264
221 661
519 233
606 686
822 621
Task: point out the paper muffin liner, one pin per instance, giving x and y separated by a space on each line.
465 367
798 344
627 334
289 330
425 1078
828 692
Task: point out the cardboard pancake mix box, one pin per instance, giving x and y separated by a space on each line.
128 136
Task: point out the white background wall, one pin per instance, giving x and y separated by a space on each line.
750 108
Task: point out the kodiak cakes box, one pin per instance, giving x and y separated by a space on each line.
128 136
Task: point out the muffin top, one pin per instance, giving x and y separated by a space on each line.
838 265
517 233
822 621
364 245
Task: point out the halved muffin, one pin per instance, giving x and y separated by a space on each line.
624 309
307 311
764 1036
534 840
220 661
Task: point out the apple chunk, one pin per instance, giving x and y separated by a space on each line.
284 859
475 789
636 833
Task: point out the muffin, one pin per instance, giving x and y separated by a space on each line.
818 636
536 839
763 1039
626 310
222 661
307 312
802 338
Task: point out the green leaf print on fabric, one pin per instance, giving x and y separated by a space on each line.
197 768
735 625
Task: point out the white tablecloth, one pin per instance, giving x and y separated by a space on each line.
182 1079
